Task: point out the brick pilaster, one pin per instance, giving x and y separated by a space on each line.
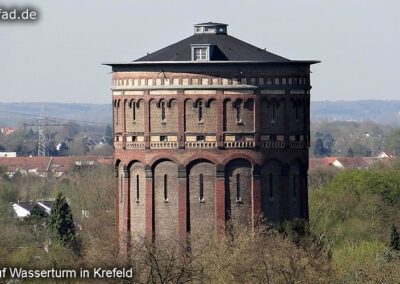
220 119
257 119
123 123
284 201
149 203
118 237
255 196
181 120
126 210
220 198
182 203
147 124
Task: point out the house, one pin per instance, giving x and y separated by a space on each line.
8 130
386 154
22 209
42 166
8 154
342 162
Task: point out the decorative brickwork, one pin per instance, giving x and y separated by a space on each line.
205 143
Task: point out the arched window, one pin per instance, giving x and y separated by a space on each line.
137 188
238 114
116 112
200 117
201 189
274 103
163 111
165 188
271 192
238 188
134 111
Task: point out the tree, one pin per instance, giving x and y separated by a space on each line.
394 239
319 150
350 153
392 142
61 224
108 135
38 211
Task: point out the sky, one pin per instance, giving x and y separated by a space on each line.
59 57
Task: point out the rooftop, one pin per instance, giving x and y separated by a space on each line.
211 43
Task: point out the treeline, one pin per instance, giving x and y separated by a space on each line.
64 140
351 237
352 139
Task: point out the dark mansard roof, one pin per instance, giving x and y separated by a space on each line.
226 48
222 48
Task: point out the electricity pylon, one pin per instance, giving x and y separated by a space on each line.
42 134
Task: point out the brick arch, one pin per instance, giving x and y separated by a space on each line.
159 101
169 102
197 157
131 162
238 156
193 162
209 101
187 99
160 158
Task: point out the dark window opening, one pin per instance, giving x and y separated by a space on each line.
273 110
165 188
201 189
133 111
134 138
163 138
137 188
238 114
116 118
238 138
238 199
163 111
200 138
200 117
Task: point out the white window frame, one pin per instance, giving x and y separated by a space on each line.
204 52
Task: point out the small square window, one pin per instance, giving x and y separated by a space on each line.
200 138
163 138
200 53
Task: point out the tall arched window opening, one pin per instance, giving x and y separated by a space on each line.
162 111
200 114
165 188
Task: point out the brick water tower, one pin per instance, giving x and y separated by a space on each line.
207 130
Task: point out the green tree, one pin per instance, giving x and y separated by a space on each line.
392 142
319 149
38 211
61 224
350 153
394 239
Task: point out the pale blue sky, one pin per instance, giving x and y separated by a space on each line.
58 59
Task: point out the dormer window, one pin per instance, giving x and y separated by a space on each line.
200 52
